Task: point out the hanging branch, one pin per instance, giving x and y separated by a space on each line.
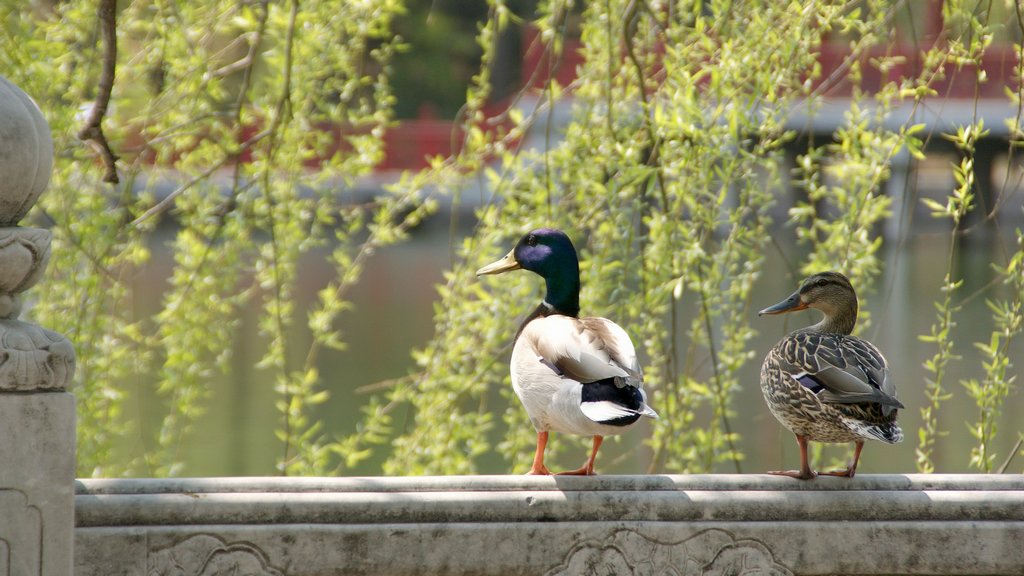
92 132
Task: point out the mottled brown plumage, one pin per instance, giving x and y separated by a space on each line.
825 385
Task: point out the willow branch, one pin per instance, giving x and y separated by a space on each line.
92 132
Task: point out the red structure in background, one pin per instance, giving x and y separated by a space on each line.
410 144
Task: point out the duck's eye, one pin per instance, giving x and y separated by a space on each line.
531 240
821 282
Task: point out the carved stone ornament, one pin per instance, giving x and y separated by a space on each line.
26 153
207 555
24 253
31 358
708 553
34 358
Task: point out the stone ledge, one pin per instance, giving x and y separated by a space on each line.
650 482
525 504
681 524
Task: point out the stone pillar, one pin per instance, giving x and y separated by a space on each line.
37 415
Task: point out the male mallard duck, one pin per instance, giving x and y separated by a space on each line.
825 385
574 375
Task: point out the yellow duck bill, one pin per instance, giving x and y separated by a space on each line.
508 262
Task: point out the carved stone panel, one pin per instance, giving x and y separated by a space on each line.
21 535
208 555
709 553
37 482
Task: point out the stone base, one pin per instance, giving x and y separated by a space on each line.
503 525
37 471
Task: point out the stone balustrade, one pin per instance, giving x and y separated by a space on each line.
659 524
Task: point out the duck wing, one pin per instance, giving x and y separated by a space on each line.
597 353
585 349
840 369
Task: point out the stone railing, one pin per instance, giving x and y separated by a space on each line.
505 525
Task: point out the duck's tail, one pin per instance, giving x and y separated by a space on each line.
648 412
888 433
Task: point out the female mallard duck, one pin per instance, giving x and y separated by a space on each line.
574 375
825 385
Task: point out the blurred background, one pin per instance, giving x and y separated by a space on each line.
397 289
394 304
